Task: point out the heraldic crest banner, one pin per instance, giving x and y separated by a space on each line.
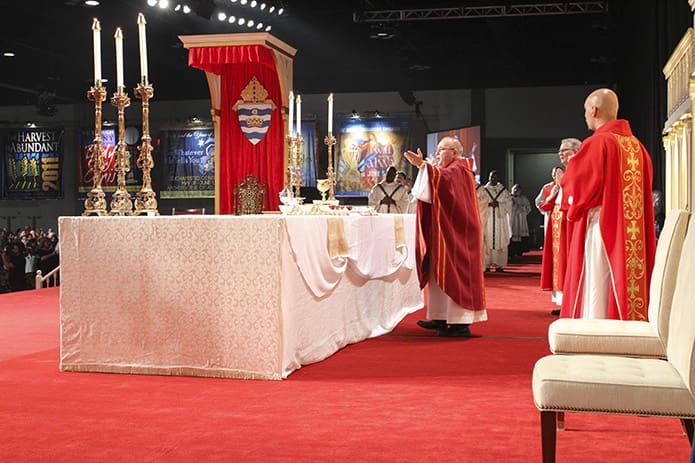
254 110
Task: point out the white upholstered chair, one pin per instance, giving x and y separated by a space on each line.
627 385
630 337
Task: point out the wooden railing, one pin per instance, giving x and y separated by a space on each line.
677 72
51 279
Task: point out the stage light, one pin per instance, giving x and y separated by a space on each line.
259 26
8 54
221 16
280 11
152 2
262 6
241 21
250 23
272 8
203 8
243 2
177 7
232 19
91 2
186 9
163 4
254 3
267 29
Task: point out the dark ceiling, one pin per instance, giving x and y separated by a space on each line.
52 42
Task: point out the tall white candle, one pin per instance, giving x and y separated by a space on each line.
299 115
119 59
290 118
96 34
143 47
330 113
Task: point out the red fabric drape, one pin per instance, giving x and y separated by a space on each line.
237 65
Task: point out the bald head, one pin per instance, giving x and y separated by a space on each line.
601 106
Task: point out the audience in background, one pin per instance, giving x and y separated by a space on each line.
24 251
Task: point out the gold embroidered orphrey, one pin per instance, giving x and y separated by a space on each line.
633 214
254 111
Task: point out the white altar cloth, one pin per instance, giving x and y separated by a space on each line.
223 296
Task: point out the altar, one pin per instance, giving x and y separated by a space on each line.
251 297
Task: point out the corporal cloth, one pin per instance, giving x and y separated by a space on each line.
449 247
607 201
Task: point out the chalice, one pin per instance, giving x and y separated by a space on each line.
323 185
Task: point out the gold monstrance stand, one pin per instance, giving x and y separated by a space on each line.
330 142
120 201
95 204
296 175
146 202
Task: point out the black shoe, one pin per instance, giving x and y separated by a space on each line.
555 312
432 324
455 331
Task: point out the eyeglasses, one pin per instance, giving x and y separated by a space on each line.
439 150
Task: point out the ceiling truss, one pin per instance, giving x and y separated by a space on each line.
490 11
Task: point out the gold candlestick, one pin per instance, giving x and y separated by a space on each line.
120 201
95 204
297 176
289 182
330 142
146 202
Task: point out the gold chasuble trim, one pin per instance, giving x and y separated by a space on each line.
633 215
441 243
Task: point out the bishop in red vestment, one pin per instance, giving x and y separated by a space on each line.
610 218
449 240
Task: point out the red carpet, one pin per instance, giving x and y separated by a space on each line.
405 397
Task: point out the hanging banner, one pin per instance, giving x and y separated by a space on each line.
367 148
109 176
188 163
33 164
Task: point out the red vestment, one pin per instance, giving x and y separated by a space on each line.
449 237
612 170
554 248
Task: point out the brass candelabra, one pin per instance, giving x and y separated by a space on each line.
330 142
95 204
120 201
146 201
295 170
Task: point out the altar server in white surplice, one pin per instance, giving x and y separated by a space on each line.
389 196
494 197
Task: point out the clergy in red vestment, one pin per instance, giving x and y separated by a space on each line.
607 190
449 241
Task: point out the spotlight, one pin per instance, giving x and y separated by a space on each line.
272 8
221 16
262 6
8 54
254 3
241 21
243 2
267 29
177 7
91 2
186 9
164 4
259 26
280 11
203 8
152 2
250 23
232 19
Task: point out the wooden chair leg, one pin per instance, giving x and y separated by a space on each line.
688 428
548 435
560 421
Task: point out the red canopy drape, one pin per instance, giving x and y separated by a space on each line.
236 66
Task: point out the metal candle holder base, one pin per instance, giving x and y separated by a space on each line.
146 201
